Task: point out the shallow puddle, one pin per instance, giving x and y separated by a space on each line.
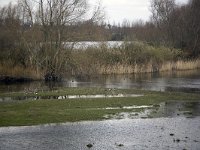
168 125
98 96
126 134
4 99
171 109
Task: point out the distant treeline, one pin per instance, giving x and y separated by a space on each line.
170 25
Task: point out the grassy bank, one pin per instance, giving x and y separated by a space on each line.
35 112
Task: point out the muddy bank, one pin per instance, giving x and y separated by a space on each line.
10 79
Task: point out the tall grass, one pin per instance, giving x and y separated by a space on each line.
135 57
19 71
148 68
187 65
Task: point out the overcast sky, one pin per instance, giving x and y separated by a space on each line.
119 10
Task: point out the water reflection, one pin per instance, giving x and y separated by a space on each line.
185 81
136 134
174 109
171 109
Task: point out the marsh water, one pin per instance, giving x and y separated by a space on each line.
136 134
167 125
172 125
183 81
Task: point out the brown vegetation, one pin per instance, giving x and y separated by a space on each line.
148 68
19 71
32 41
32 35
135 57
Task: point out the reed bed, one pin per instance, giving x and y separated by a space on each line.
18 71
187 65
130 58
149 67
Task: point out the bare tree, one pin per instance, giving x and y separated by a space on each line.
52 17
161 15
10 28
194 27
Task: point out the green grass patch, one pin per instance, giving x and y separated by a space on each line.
34 112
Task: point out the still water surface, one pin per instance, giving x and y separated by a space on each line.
168 126
137 134
185 81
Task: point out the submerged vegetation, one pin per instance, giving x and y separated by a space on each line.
34 112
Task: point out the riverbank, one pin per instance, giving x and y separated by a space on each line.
24 75
8 79
34 112
129 58
14 74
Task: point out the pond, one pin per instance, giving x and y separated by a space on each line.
88 44
183 81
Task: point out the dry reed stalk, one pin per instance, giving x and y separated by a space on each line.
125 69
19 71
167 66
116 69
187 65
149 67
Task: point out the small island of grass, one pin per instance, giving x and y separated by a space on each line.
44 111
